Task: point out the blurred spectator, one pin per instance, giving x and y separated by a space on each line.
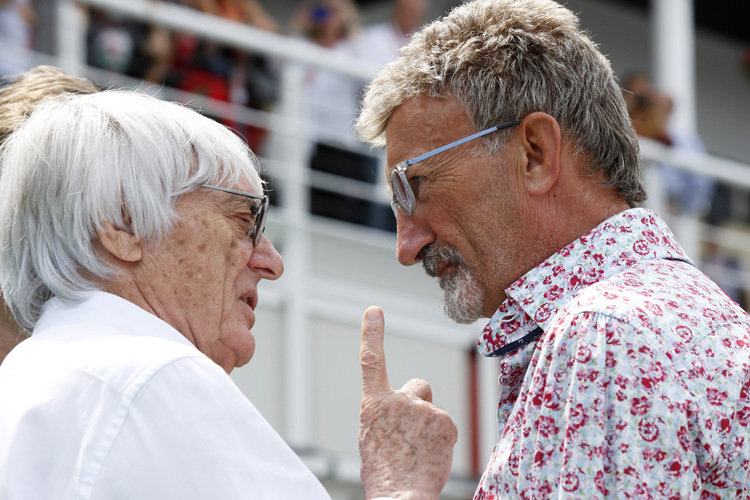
17 21
129 47
19 95
381 42
241 11
331 104
207 68
650 110
252 82
46 26
331 98
725 268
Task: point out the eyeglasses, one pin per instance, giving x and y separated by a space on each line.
260 211
403 195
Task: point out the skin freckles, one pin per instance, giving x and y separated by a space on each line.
202 277
396 425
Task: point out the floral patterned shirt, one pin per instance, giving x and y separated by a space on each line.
639 386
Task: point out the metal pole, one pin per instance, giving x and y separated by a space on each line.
674 56
295 200
489 393
71 37
674 49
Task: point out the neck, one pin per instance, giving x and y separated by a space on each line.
586 208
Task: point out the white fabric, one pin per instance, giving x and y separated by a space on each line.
380 43
106 401
330 98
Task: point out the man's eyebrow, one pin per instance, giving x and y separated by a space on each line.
238 202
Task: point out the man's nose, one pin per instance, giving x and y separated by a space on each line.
266 260
413 236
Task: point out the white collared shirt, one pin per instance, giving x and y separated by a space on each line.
106 401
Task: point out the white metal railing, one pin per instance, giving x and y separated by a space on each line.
732 172
288 166
233 34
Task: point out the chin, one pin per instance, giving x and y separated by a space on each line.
461 314
239 348
245 354
463 300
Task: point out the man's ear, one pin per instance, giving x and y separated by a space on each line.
120 243
542 143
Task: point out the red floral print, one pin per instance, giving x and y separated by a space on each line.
639 386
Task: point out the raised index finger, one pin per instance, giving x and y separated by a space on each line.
371 354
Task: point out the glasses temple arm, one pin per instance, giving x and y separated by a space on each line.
461 141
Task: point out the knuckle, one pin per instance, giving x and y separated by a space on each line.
370 357
415 385
418 388
421 383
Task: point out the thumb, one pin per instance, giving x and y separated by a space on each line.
371 354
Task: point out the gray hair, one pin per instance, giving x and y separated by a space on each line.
115 156
503 59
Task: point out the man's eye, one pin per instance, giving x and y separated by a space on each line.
254 209
414 184
246 220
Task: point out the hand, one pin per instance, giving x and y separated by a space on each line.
405 441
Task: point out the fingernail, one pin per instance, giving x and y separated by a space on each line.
373 314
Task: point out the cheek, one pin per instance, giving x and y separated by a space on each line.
236 259
200 269
192 261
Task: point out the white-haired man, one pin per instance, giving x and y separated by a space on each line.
625 372
132 248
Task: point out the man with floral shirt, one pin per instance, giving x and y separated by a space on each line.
625 372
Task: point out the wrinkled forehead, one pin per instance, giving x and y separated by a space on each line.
423 123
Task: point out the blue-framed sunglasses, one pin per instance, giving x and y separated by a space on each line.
403 195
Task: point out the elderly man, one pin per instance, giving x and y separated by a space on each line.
131 246
19 95
625 372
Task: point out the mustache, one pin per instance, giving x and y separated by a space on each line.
434 257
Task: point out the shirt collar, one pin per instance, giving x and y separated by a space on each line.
618 243
108 315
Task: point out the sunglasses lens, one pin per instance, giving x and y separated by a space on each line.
402 192
260 222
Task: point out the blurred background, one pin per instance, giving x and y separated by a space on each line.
287 76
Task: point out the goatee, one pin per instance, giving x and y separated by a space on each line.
462 296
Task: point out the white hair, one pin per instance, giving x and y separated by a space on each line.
115 156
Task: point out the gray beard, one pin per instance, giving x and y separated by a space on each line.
462 295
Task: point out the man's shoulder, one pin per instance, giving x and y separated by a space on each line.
113 359
660 287
669 306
